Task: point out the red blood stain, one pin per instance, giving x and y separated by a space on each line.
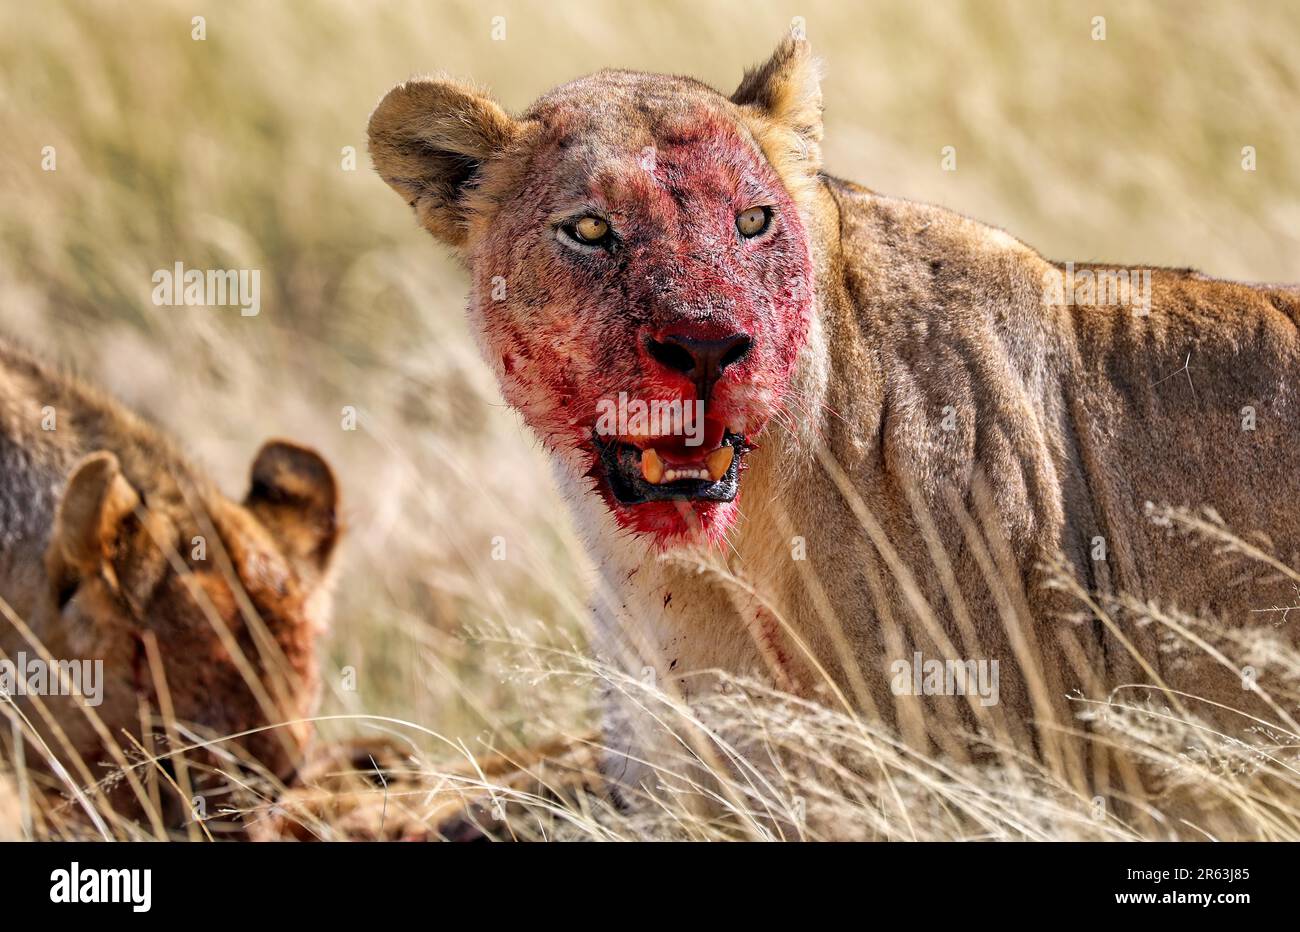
572 328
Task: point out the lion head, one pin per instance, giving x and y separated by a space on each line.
641 271
207 608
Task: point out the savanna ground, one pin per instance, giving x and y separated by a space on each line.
231 153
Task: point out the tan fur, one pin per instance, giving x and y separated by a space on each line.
98 524
959 433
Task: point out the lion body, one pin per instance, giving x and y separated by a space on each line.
1071 422
955 438
115 551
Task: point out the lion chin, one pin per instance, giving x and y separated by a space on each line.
674 523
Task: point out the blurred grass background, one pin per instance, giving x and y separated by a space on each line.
229 153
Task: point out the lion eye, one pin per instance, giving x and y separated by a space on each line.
754 221
590 230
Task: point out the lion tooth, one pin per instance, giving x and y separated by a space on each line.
652 467
719 461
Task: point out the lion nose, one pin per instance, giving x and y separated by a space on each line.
702 361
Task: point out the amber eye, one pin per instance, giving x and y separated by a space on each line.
754 221
590 230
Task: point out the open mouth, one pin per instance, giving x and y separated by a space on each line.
665 471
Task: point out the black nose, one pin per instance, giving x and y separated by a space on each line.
700 360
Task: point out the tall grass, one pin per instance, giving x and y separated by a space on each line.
230 153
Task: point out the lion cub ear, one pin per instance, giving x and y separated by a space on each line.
429 139
293 493
786 91
90 517
97 501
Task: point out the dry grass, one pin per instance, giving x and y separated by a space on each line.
227 153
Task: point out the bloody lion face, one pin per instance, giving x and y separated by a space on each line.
642 279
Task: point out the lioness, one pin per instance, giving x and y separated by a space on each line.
127 577
913 421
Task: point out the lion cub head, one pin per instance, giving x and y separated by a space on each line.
203 610
641 271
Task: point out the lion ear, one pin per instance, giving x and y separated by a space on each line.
97 501
786 91
293 493
429 139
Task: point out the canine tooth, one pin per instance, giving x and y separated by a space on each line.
652 467
719 461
